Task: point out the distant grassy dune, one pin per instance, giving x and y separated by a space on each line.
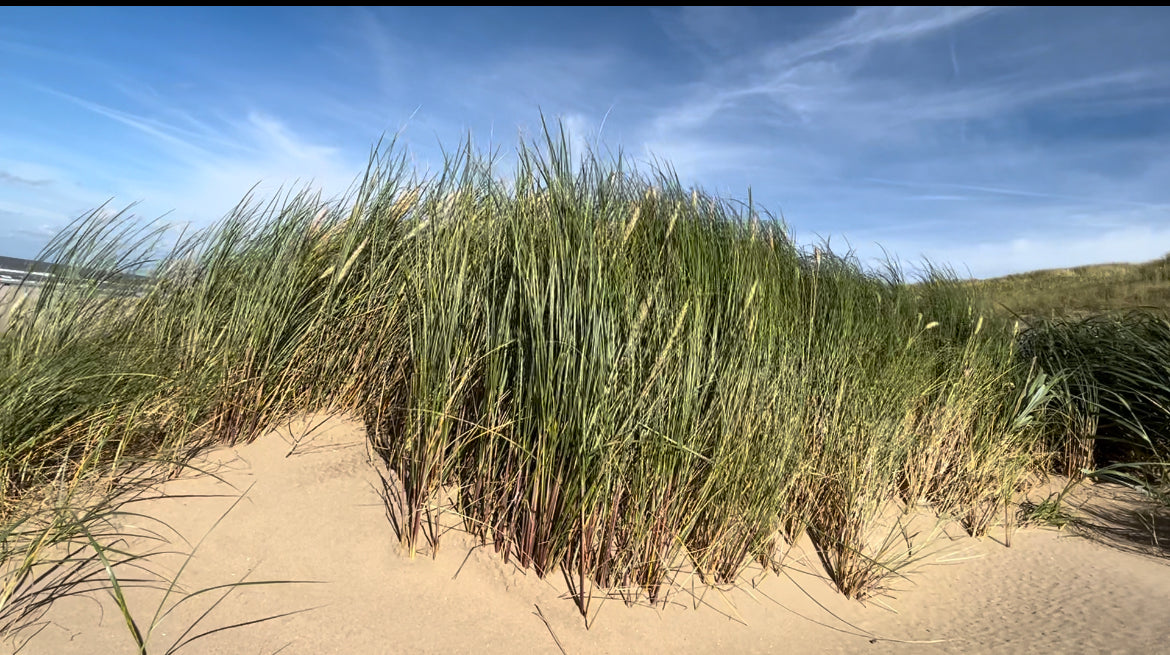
1084 290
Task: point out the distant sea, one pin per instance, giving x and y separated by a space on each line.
13 270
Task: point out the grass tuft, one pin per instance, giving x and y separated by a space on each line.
601 370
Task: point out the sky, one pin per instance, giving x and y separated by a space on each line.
990 140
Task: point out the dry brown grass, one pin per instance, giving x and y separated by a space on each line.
1081 291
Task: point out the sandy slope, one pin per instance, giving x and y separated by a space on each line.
317 515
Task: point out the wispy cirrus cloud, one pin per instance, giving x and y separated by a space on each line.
808 74
874 25
968 124
10 178
188 171
975 189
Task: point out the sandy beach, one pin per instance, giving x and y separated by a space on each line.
312 511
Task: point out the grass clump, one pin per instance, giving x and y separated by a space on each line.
1115 394
1100 335
603 371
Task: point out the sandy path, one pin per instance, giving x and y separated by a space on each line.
317 515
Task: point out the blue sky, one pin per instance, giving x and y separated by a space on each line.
995 140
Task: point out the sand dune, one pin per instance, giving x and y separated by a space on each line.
312 512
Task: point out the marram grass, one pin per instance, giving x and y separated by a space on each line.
604 372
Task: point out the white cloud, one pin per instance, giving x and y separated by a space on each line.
580 132
873 25
195 175
275 158
807 76
1087 240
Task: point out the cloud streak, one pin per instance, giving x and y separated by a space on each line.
875 25
10 178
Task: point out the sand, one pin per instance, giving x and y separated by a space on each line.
9 293
312 511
